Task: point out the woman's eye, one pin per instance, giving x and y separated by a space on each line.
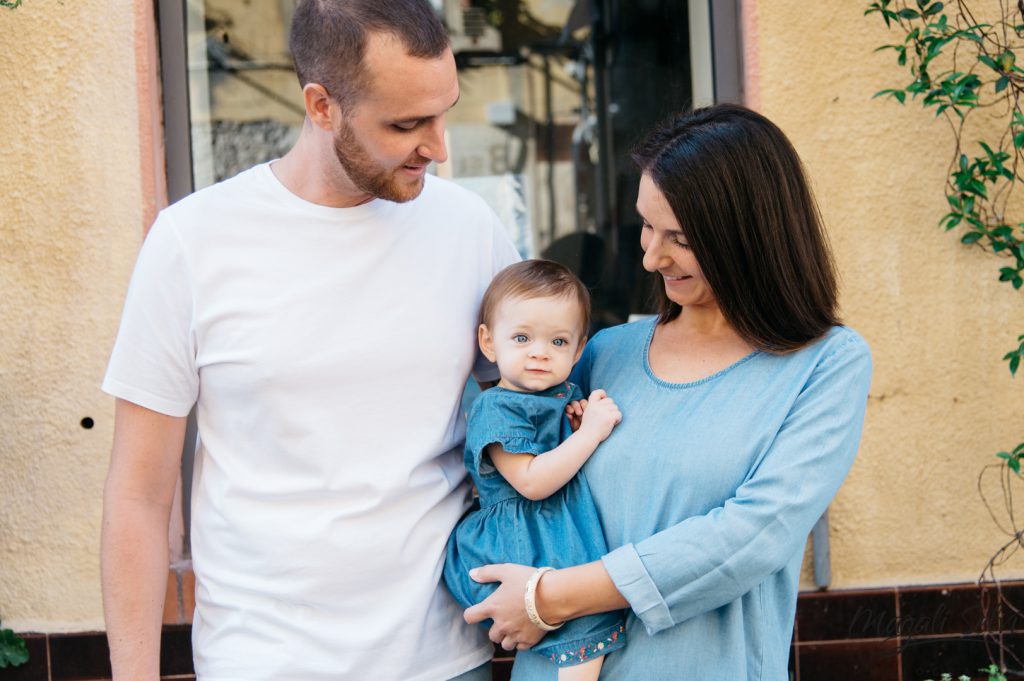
645 225
520 338
560 342
680 241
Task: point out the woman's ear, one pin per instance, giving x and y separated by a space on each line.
486 341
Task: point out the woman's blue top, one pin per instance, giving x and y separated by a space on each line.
561 530
707 492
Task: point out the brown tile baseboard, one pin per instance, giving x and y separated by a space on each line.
890 634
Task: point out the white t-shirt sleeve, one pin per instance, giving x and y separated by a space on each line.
153 360
503 254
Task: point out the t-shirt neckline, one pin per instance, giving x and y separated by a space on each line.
282 193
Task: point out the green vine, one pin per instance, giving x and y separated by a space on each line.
10 4
959 65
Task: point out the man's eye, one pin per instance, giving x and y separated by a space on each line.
560 342
520 338
404 127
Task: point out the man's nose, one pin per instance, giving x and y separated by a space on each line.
432 145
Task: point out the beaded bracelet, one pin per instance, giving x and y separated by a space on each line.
531 601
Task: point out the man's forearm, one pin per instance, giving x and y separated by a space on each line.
137 500
134 559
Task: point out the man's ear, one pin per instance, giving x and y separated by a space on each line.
486 341
579 349
318 105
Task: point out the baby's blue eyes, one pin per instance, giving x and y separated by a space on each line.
521 338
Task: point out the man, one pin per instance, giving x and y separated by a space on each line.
320 312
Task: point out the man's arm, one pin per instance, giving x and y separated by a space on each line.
137 499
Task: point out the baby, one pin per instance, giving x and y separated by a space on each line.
535 506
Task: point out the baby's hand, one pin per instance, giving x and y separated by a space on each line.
601 415
574 410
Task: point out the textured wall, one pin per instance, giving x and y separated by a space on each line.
938 321
71 208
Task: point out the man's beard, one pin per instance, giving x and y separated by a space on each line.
370 177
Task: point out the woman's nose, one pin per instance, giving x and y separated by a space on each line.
653 256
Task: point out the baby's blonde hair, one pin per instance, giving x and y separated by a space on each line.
535 279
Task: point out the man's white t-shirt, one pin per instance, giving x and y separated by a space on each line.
326 350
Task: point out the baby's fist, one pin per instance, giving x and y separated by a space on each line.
601 415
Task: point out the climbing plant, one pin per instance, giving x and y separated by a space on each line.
960 64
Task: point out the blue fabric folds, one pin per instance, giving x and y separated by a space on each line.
504 527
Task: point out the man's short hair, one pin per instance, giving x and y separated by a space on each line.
328 39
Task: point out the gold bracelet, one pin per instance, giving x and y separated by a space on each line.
531 601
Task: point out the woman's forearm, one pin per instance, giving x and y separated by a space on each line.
577 591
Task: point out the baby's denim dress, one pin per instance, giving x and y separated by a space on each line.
562 530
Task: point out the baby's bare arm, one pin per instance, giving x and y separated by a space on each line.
538 477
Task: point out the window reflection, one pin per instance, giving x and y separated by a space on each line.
554 93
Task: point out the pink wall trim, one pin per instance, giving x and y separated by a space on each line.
153 178
152 174
751 54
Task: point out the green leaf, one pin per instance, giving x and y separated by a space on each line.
971 237
1014 363
1000 84
1017 283
987 61
1007 274
13 651
933 10
898 94
1006 60
907 13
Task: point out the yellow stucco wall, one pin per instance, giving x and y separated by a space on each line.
70 222
936 316
71 210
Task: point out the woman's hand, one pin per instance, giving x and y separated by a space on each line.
512 629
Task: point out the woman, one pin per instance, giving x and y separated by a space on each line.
742 408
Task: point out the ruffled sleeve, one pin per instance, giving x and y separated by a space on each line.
504 418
